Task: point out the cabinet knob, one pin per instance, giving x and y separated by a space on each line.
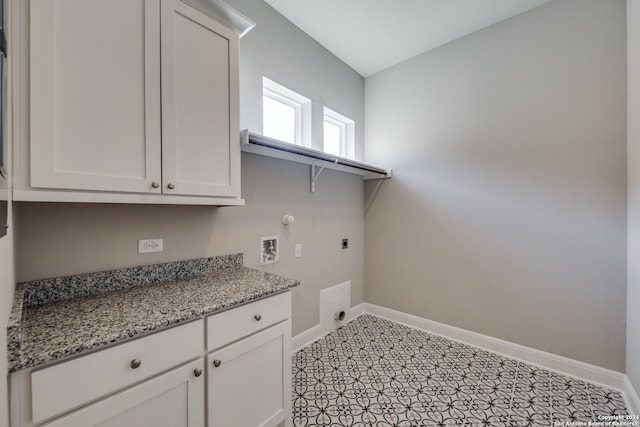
197 372
170 186
217 363
257 317
155 184
135 363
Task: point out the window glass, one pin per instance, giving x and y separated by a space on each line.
286 115
339 134
332 139
279 120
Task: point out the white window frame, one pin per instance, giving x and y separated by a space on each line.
347 132
300 104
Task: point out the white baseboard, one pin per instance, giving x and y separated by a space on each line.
307 337
313 334
550 361
356 311
631 396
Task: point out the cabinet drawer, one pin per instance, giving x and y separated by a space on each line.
232 325
67 385
175 398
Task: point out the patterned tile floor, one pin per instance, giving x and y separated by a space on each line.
376 373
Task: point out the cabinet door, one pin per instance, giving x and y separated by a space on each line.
95 94
200 128
251 385
173 399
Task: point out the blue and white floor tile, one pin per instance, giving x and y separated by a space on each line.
377 373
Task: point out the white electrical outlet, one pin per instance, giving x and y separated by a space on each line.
297 251
150 245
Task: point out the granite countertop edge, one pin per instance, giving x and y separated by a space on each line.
13 327
236 286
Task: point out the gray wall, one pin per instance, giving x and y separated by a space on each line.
507 211
277 49
633 161
60 239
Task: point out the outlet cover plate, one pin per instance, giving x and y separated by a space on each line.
150 245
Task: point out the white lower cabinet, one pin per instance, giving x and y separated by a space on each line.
236 373
249 364
249 382
173 399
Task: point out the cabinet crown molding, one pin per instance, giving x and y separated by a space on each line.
223 13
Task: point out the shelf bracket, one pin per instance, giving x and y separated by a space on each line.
314 176
370 194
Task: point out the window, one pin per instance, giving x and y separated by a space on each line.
286 115
339 134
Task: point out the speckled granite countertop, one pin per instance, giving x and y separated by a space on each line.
72 320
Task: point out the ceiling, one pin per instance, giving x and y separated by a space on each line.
371 35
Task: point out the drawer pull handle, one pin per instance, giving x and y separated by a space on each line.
257 317
135 363
155 184
217 363
197 372
171 186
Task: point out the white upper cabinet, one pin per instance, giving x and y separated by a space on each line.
95 95
129 101
199 68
